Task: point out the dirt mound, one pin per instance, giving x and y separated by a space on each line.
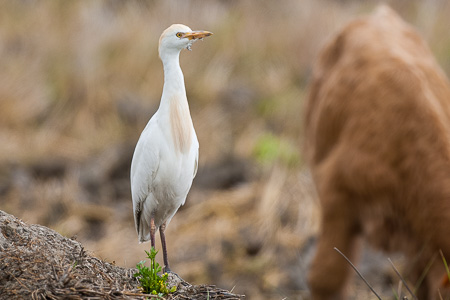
37 262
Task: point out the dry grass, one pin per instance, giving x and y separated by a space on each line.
79 81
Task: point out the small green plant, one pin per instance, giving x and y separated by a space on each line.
151 282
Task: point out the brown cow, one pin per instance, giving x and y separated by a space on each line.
378 144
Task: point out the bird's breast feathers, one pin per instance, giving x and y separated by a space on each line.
181 126
165 158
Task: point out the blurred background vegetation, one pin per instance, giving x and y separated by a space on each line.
80 79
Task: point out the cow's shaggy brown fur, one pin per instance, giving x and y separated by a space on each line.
378 143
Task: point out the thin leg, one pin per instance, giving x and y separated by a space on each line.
162 228
152 231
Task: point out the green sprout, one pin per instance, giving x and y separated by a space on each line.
151 282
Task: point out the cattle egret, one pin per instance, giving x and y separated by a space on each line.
166 156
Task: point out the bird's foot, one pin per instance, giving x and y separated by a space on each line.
167 269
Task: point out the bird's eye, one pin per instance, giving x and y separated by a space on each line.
179 34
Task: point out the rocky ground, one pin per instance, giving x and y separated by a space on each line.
38 263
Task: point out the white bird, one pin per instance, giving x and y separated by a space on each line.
166 156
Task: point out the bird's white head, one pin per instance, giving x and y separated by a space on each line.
177 37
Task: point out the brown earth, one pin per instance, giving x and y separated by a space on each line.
38 263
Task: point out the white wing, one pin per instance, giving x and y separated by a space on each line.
196 145
144 168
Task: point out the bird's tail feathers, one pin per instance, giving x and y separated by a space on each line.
143 231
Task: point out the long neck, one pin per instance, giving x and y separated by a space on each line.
174 106
173 79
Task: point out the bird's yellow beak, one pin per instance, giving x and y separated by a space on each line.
194 35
